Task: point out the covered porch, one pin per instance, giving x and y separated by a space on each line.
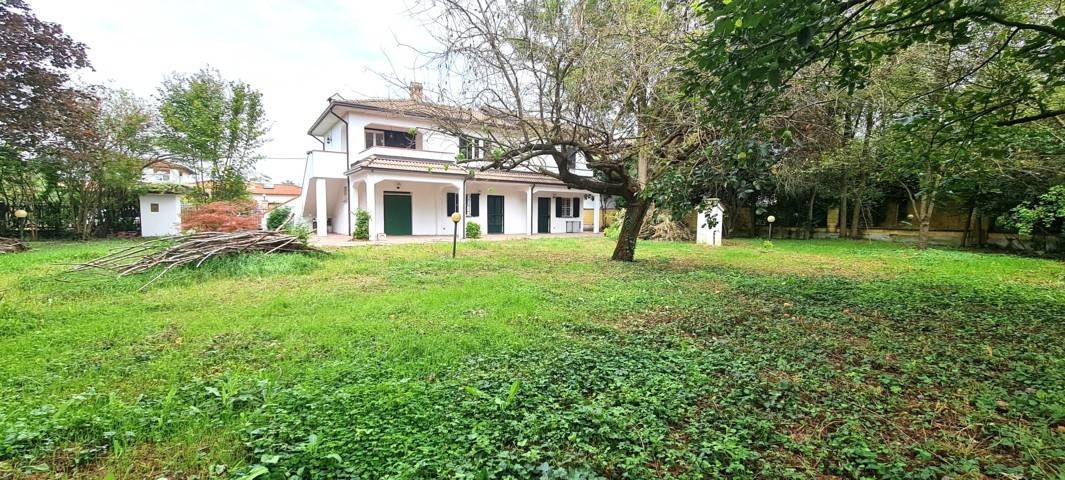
405 203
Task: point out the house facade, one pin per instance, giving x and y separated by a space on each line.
385 156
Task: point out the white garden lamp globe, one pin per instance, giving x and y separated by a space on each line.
20 214
770 219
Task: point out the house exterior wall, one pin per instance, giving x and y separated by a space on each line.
166 221
427 206
559 224
515 215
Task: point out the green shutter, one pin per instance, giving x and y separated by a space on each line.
558 207
475 204
577 210
452 203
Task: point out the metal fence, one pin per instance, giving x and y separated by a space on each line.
56 220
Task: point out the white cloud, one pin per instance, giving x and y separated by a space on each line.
296 53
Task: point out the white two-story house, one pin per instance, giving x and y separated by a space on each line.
384 157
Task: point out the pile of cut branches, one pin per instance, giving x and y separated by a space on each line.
11 245
166 253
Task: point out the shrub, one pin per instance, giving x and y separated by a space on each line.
473 230
612 230
767 245
362 225
277 217
221 217
300 230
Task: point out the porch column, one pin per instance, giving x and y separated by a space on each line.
353 205
371 202
321 215
529 211
598 199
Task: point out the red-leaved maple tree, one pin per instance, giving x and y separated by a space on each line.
221 217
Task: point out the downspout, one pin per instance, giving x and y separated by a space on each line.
466 207
532 197
347 163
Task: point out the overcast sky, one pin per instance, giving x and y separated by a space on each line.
297 53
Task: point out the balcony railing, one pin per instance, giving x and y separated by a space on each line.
403 153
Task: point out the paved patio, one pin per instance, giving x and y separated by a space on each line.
336 240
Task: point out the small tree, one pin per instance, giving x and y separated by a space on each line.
362 225
215 126
221 217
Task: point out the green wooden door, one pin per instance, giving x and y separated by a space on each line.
495 214
397 214
543 215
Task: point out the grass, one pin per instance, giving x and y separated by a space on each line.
538 358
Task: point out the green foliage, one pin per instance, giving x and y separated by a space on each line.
277 217
767 245
1041 215
214 125
300 230
751 54
473 230
690 363
362 225
612 231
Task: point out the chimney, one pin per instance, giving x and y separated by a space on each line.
416 92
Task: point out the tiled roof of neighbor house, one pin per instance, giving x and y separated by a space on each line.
278 189
447 168
170 165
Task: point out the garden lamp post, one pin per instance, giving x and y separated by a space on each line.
455 217
771 219
21 215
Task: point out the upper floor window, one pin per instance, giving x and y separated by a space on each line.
390 138
470 147
375 138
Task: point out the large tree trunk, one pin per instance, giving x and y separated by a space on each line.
856 216
635 211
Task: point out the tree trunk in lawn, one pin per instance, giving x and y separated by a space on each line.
625 250
968 225
925 217
856 215
810 214
843 207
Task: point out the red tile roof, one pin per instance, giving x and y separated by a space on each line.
449 168
278 189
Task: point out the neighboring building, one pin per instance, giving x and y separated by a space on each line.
269 196
166 172
382 156
160 214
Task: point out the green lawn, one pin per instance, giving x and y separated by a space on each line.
538 359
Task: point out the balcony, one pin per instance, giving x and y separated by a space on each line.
403 153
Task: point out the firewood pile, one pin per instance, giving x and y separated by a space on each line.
167 253
11 245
